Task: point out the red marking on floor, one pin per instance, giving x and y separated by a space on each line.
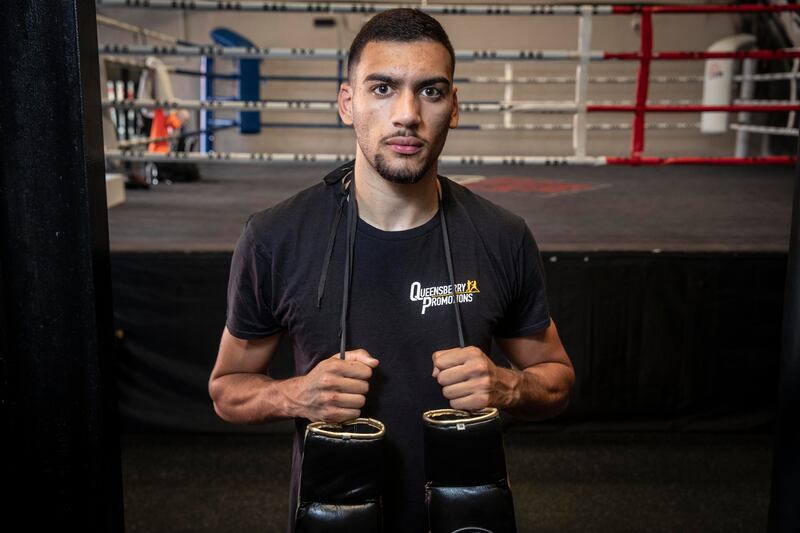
514 184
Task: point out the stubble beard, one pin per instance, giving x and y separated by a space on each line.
407 175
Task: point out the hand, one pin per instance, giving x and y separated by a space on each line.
469 379
335 390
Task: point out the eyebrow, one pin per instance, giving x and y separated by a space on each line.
394 81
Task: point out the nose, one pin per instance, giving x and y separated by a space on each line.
405 112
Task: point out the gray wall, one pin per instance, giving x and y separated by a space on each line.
611 33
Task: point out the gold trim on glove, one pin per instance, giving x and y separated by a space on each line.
459 416
338 431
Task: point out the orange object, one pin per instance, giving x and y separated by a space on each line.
158 130
173 122
161 129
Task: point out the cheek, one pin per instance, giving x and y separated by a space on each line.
440 120
363 119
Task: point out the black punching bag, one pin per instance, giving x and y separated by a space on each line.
60 467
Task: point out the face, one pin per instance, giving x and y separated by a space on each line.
401 102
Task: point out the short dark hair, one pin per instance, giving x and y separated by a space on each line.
403 25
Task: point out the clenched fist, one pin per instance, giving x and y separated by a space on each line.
335 390
470 380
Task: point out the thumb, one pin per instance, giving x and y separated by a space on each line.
362 356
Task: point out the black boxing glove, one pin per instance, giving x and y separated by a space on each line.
465 469
341 478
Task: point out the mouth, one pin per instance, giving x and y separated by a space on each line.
405 145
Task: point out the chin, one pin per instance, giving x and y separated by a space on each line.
402 169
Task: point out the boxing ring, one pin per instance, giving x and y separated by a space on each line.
579 108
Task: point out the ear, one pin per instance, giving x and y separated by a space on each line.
345 100
454 113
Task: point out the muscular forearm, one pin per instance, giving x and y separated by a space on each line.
255 398
535 393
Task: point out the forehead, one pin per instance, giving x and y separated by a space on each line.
404 59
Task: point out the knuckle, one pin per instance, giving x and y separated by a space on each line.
479 368
348 414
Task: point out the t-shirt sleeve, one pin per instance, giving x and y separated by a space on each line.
528 311
250 287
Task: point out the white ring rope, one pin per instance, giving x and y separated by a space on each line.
498 80
323 7
770 130
619 126
535 106
739 101
329 53
268 157
775 76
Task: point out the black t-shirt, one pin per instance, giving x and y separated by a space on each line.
399 307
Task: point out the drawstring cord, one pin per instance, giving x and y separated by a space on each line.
329 251
448 256
352 222
323 277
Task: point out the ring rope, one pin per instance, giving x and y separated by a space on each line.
444 9
771 130
461 55
536 106
258 52
459 79
488 160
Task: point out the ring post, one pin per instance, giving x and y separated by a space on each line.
206 93
582 82
642 82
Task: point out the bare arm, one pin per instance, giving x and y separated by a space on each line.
536 388
244 393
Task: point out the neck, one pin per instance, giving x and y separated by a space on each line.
394 206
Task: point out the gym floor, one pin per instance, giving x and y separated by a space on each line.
562 481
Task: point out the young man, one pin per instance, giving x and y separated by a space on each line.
403 353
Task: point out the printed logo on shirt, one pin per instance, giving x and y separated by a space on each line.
443 294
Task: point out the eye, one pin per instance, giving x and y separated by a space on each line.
431 92
382 89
